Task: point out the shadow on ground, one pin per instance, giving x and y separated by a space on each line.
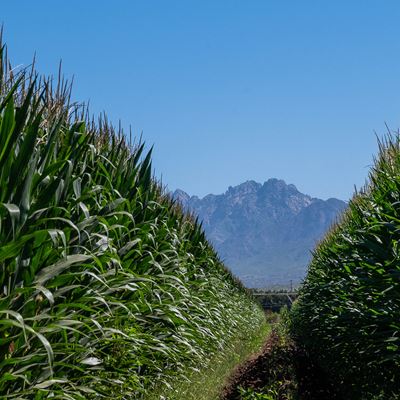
281 371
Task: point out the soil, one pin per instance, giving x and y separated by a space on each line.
282 370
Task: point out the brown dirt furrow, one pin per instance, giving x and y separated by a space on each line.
282 370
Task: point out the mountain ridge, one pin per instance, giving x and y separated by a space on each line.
264 232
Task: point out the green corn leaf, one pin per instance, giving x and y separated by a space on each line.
53 270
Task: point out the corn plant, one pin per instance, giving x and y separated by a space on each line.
107 289
348 312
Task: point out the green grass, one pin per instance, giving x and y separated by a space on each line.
209 380
348 310
107 289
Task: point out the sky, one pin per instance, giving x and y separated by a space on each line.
229 91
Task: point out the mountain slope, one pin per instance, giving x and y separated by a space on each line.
264 232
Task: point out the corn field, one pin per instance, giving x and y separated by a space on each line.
107 289
348 312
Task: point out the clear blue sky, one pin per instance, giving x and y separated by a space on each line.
230 90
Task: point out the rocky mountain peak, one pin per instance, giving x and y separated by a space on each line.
248 187
264 232
181 196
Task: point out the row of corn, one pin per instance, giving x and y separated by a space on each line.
348 312
107 289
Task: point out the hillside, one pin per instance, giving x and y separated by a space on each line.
264 232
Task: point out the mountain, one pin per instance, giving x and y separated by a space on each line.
264 232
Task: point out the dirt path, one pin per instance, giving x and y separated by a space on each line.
281 370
